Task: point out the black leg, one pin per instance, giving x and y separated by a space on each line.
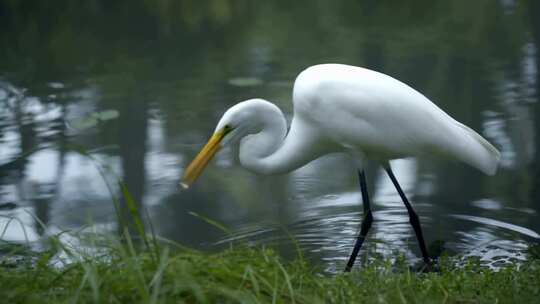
413 217
366 223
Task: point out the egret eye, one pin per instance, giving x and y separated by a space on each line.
227 128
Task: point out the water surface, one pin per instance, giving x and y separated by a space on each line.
140 86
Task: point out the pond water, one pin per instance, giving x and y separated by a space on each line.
140 85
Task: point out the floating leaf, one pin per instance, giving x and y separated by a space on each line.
56 85
83 123
108 114
93 119
245 81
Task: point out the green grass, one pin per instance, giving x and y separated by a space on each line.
168 274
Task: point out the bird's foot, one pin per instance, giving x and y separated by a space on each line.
429 266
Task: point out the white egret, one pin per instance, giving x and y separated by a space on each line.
341 108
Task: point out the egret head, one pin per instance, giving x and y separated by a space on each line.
247 117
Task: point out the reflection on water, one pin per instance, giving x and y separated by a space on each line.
168 71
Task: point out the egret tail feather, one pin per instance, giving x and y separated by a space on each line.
478 152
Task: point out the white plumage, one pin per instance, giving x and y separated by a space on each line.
382 118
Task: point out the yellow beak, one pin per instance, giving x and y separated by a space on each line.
195 168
